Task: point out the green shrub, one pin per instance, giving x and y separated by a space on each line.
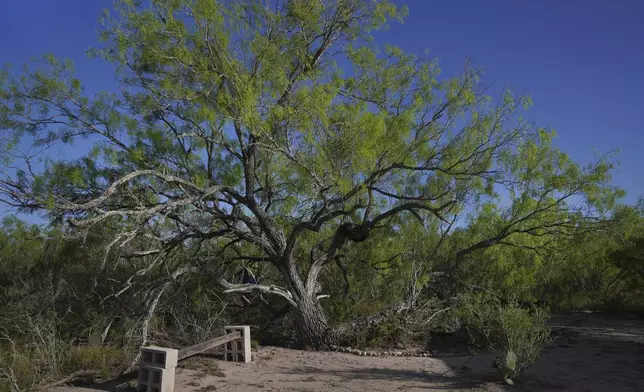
16 372
26 367
514 335
381 332
104 359
388 333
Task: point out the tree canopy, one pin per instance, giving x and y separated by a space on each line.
280 133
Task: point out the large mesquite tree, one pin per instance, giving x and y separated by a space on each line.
280 130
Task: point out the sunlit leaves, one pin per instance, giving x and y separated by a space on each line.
299 114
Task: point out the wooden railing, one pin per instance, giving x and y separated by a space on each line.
207 345
184 353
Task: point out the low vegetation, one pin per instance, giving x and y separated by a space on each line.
32 366
513 334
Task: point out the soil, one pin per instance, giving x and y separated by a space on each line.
592 352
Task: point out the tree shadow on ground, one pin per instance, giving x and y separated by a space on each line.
591 352
435 381
119 383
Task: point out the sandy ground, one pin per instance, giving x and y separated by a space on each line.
593 352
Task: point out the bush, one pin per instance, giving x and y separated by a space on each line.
388 333
106 360
514 335
27 367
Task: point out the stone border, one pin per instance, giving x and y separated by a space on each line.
418 354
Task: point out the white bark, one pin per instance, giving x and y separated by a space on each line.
248 288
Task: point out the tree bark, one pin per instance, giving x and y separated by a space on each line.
311 324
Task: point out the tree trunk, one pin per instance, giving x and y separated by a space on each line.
311 324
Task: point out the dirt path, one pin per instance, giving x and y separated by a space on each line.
276 369
593 352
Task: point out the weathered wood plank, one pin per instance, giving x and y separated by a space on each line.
208 344
184 353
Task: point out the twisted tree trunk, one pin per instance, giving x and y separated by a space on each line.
311 324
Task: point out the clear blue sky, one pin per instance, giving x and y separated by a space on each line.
582 61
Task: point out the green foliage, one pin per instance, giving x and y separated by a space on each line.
106 360
53 296
387 334
236 139
369 278
516 336
24 368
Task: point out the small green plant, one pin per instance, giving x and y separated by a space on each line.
254 344
514 335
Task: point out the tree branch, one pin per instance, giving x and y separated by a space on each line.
248 288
